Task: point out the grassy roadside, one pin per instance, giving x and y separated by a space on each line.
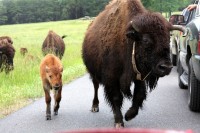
23 85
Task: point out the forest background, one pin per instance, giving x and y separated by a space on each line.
32 11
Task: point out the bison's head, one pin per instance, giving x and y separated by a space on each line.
54 76
151 34
7 54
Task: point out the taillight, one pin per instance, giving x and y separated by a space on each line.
198 47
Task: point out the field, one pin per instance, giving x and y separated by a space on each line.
23 85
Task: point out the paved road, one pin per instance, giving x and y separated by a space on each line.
165 108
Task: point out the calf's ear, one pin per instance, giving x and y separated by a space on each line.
47 69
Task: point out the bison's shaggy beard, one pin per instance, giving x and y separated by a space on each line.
151 82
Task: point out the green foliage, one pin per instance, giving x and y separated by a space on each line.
27 11
3 17
23 83
165 5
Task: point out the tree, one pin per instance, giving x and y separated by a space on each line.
3 17
29 11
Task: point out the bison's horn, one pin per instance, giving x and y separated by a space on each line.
180 28
134 26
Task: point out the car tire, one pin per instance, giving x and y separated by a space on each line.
180 72
194 90
173 57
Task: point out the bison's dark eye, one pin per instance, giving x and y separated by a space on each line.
146 39
50 76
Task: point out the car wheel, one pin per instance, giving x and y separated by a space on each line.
194 90
180 72
173 57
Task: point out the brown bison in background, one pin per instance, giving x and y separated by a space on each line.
54 44
124 44
6 38
23 51
7 53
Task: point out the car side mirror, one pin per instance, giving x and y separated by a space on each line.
177 20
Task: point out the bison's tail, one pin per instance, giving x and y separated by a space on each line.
64 36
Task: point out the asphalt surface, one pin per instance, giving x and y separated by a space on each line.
165 108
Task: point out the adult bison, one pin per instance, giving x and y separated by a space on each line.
6 38
124 44
7 53
53 43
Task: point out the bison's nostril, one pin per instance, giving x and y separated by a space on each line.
56 86
164 67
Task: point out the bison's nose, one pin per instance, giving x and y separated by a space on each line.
56 86
164 68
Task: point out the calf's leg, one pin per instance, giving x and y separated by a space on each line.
95 103
138 98
48 104
57 98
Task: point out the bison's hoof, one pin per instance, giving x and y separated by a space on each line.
130 114
48 117
56 113
119 125
95 109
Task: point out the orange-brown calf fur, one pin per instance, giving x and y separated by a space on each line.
51 75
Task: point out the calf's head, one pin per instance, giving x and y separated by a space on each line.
150 32
54 76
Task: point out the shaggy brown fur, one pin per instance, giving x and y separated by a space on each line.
51 74
6 38
7 53
23 51
107 54
53 43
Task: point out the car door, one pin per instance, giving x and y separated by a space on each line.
184 41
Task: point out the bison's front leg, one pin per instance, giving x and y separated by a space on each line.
138 98
95 103
57 98
115 99
48 104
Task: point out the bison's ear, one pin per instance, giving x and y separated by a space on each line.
47 69
133 34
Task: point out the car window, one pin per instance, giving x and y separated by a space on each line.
198 10
186 14
193 14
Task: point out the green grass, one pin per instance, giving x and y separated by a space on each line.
23 84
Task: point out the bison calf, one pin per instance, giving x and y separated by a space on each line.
51 74
23 51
